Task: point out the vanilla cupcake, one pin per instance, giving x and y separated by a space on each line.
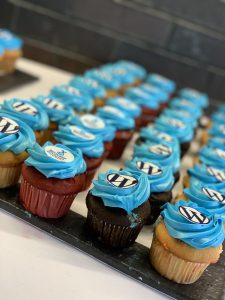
31 113
187 239
15 138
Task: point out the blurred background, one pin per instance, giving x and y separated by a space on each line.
181 39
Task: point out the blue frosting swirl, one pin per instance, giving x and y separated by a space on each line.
207 174
104 78
196 235
187 105
9 40
160 178
197 97
161 95
217 142
56 161
115 117
57 111
119 73
2 49
162 82
75 137
208 196
217 129
212 156
29 111
136 192
160 152
125 105
15 135
138 71
95 125
218 117
182 115
142 98
93 87
175 127
76 98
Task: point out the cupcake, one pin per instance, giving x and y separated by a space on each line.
111 84
195 96
149 103
51 178
118 207
208 196
124 128
161 152
182 115
177 128
161 181
98 127
165 84
15 138
78 99
31 113
135 69
187 239
12 50
187 105
131 109
58 113
162 96
75 137
120 73
206 174
92 87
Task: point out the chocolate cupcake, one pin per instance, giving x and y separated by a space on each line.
118 207
78 99
75 137
98 127
31 113
58 113
161 181
124 128
161 152
177 128
148 102
51 178
131 109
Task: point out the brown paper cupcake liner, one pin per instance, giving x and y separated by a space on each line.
42 203
173 267
110 234
9 176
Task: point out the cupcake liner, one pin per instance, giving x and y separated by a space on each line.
90 174
42 203
7 64
99 102
111 93
39 136
110 234
9 176
173 267
119 144
108 147
47 136
184 148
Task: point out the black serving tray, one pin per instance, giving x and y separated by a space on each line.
15 80
132 261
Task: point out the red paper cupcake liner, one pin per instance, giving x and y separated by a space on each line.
42 203
90 174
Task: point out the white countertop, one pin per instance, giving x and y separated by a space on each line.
34 265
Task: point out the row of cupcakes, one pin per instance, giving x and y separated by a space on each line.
10 50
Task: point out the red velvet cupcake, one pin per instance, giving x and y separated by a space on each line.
51 178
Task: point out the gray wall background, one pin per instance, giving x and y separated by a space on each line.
181 39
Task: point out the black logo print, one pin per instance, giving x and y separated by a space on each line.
122 181
214 195
149 168
160 149
193 215
220 175
8 126
51 103
25 108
